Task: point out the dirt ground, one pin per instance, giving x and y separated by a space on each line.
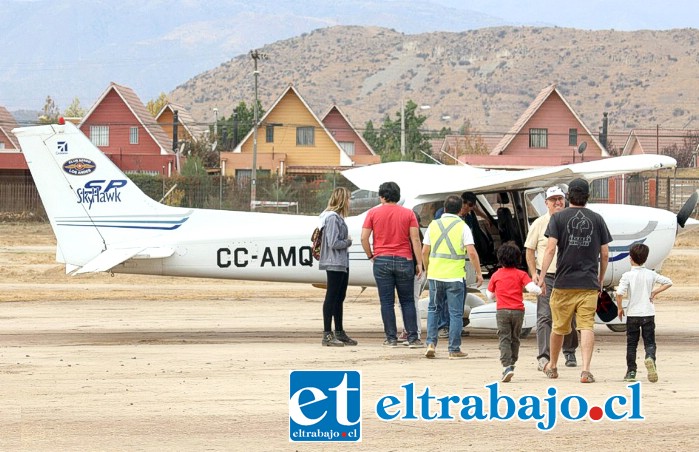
151 363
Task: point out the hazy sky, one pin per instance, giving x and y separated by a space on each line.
591 14
74 48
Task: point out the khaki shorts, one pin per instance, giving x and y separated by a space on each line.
566 302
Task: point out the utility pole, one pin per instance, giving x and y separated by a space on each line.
253 181
402 126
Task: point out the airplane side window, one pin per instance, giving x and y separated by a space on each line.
535 205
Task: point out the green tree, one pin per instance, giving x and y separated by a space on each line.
74 110
50 112
245 120
386 142
155 105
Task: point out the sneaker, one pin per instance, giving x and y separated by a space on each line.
457 355
630 376
403 337
508 373
329 340
416 343
652 371
443 332
542 363
430 351
344 338
390 343
570 360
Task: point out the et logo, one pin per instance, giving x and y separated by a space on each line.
325 406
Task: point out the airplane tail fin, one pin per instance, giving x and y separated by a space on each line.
91 204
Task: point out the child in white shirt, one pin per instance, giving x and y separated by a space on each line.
639 284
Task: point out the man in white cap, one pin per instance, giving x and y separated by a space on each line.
535 246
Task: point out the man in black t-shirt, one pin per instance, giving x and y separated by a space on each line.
581 238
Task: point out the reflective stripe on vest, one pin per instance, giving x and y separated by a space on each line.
445 260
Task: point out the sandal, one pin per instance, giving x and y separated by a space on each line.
586 377
551 372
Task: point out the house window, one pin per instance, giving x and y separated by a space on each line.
2 145
133 135
305 136
269 133
246 174
538 138
572 137
99 135
348 147
599 189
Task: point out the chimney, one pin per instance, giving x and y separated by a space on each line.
603 133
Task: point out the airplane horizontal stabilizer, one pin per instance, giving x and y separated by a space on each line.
115 256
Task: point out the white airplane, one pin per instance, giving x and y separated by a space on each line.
104 223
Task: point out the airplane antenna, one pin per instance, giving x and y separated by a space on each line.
360 292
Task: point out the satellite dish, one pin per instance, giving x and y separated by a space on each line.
582 147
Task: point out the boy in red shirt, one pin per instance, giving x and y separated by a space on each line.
506 286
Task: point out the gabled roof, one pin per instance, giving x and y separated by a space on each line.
138 109
349 123
7 123
343 154
531 111
653 141
194 129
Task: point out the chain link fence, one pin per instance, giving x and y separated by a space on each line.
308 195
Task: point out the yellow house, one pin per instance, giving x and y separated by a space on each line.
291 139
187 128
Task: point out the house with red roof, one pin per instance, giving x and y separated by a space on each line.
548 133
11 159
187 128
656 141
120 126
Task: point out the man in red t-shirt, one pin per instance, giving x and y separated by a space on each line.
395 234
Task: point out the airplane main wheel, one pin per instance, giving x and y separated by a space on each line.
525 332
617 328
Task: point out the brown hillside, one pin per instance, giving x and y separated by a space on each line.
486 76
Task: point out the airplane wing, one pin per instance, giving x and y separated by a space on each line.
115 256
415 179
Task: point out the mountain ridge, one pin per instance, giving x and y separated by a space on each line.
487 76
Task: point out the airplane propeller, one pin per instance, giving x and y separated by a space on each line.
687 208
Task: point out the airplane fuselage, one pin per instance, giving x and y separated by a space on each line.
275 247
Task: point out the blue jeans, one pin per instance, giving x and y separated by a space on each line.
443 317
396 274
446 296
